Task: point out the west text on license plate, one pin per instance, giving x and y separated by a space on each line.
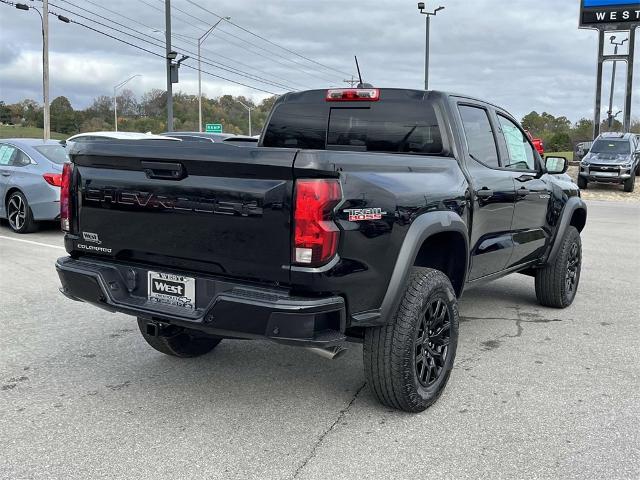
170 289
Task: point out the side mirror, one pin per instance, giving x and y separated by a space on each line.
556 165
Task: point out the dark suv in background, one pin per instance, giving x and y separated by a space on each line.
613 158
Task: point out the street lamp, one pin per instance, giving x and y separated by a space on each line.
115 101
610 116
249 110
421 7
44 21
200 41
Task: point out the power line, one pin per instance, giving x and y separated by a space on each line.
158 54
157 30
269 41
219 30
157 43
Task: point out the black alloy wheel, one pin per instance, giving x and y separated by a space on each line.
432 342
574 261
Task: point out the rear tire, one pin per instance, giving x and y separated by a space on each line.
582 183
630 184
408 362
557 283
182 342
19 214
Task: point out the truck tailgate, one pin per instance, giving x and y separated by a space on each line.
212 208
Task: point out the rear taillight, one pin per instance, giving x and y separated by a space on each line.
65 196
316 235
54 179
353 95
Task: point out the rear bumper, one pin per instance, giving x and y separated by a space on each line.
225 308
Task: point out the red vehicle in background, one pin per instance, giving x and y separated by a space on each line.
538 144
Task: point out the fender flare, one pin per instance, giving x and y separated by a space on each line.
573 204
423 227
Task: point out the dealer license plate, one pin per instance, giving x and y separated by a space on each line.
170 289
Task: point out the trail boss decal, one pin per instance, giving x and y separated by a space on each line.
362 214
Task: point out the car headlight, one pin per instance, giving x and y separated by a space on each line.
584 163
625 161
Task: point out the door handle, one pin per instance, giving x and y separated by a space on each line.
5 174
525 178
523 192
484 192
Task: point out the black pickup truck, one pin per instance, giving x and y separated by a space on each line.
361 216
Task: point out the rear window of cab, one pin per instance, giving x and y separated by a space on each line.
390 127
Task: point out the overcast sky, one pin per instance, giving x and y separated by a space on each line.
521 54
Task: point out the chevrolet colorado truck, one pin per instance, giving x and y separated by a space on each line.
614 158
362 216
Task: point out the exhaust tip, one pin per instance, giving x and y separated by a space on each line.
330 353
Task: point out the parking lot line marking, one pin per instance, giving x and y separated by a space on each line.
32 242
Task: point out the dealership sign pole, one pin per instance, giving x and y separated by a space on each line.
612 16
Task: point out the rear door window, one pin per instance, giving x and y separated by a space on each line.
479 134
7 153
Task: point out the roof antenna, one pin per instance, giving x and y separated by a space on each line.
361 84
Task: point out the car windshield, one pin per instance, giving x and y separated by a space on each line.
55 153
611 146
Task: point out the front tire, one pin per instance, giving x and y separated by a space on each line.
630 184
582 183
557 283
179 342
408 362
19 214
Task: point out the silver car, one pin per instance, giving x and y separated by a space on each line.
30 177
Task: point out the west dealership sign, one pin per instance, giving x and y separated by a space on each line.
614 14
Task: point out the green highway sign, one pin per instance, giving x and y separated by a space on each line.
213 127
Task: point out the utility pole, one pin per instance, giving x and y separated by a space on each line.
115 98
44 22
200 41
249 110
610 116
352 83
421 7
167 14
45 68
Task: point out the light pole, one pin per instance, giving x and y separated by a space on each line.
200 41
170 56
421 7
115 97
249 110
44 20
610 116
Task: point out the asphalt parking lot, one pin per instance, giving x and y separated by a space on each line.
536 392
